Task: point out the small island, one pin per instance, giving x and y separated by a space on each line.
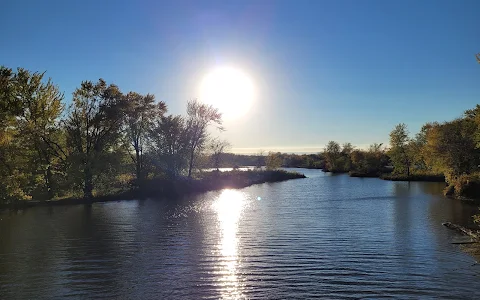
175 188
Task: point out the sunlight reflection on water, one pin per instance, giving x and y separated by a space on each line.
229 207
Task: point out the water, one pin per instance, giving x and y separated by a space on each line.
324 236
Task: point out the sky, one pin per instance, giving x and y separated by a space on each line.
322 70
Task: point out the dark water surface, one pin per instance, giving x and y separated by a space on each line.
324 236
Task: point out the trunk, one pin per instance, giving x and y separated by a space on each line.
217 162
88 185
138 165
190 166
48 182
472 233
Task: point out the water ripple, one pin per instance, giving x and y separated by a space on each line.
330 237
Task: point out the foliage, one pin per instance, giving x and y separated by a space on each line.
401 150
30 155
273 160
106 142
140 114
450 148
169 146
333 157
199 117
358 162
93 130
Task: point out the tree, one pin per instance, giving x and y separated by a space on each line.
417 144
332 154
273 160
169 143
12 180
370 161
217 148
400 149
260 159
92 125
474 116
29 114
139 115
37 123
451 148
9 108
346 161
199 117
347 148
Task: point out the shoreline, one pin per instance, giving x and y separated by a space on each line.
448 192
173 188
391 177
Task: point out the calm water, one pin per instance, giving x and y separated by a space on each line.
324 236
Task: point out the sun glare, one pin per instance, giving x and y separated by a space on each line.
228 89
229 207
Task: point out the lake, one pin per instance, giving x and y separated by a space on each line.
328 236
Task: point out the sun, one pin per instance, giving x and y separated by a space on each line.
228 89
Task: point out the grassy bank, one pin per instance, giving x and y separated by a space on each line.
364 174
414 177
179 187
394 177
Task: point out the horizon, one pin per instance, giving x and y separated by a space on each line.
315 77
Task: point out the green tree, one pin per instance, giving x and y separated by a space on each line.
332 155
38 127
273 160
346 161
451 148
473 115
400 149
92 125
140 113
370 161
29 151
12 180
169 142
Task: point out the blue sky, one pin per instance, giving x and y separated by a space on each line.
323 70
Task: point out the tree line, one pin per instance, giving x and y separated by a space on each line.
449 150
106 140
103 141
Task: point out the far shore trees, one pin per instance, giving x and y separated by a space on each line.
332 154
273 160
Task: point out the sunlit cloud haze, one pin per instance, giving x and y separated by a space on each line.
322 70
